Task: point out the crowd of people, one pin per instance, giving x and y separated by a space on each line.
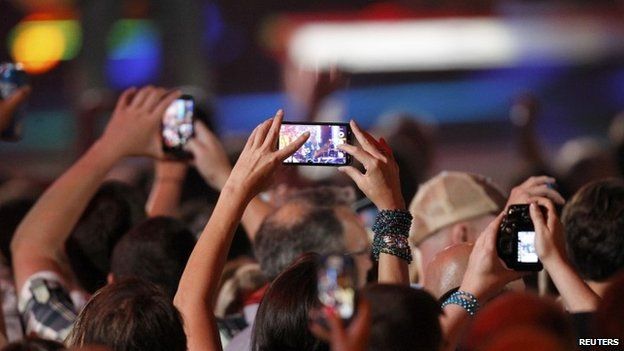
91 264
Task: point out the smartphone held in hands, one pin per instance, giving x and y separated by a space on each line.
321 148
516 240
336 285
178 127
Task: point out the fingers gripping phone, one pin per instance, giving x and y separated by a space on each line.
178 127
516 240
321 148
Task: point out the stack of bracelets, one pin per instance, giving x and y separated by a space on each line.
391 230
464 299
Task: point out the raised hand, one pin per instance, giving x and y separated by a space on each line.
210 158
534 188
380 183
486 274
353 338
134 128
261 158
549 239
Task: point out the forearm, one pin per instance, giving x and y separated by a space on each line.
453 322
164 199
44 230
576 294
199 283
254 215
392 270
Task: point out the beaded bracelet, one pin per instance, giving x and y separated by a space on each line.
391 230
465 300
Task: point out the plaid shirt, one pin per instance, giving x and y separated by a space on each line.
46 307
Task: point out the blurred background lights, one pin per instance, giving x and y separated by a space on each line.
134 53
41 44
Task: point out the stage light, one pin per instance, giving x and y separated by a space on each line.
41 44
134 53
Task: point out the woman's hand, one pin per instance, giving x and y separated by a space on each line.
549 239
260 158
380 183
210 158
486 273
134 128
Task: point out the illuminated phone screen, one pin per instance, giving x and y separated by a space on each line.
526 247
322 146
178 124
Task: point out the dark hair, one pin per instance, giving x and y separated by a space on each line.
130 315
30 343
594 225
115 208
403 318
11 214
277 244
324 196
156 250
282 319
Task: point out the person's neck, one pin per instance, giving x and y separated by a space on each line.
598 287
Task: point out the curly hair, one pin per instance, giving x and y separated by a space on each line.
594 225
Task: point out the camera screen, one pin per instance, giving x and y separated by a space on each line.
178 123
320 148
526 247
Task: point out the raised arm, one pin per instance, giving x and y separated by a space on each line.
380 183
199 283
164 198
214 166
485 276
39 241
550 246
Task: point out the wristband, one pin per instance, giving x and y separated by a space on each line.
391 230
465 300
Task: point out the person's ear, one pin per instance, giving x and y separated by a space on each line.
459 233
110 278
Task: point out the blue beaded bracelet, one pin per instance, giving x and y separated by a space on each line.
465 300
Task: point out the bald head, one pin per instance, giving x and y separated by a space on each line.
446 269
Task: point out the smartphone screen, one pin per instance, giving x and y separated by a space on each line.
526 247
336 284
177 124
321 149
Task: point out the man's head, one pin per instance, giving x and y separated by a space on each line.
130 315
403 318
115 208
306 225
452 208
156 251
446 269
594 225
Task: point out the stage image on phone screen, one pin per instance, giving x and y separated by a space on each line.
336 285
322 146
178 123
526 247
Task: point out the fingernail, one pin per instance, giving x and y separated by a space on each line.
280 111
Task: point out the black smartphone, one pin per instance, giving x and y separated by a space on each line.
178 127
321 148
336 284
516 239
